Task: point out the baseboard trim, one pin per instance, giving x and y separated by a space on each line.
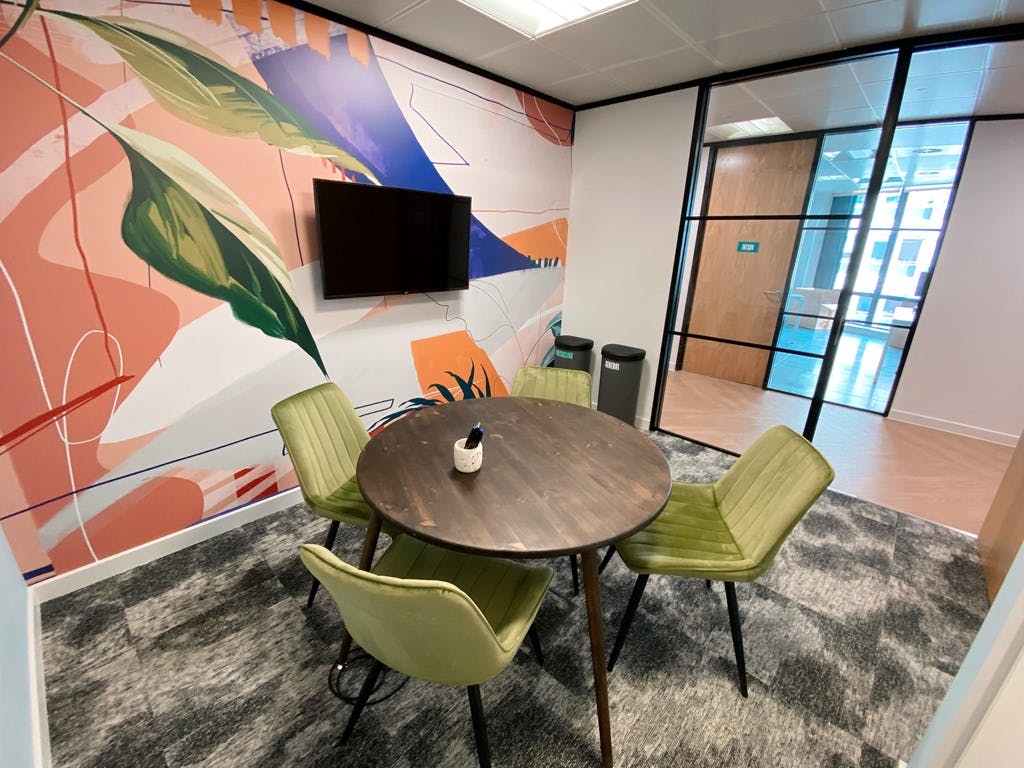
989 435
37 686
66 583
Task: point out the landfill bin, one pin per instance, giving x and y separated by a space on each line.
573 352
620 381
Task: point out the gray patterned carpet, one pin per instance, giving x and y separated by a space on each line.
207 658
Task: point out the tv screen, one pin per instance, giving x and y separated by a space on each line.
384 240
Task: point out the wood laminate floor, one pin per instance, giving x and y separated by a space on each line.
939 476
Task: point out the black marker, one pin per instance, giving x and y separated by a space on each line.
476 434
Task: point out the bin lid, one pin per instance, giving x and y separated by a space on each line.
573 342
622 353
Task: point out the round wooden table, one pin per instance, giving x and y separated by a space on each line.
556 479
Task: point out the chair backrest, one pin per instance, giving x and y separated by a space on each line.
769 488
427 629
324 437
565 384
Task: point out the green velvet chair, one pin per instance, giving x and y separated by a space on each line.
324 438
729 530
563 384
436 615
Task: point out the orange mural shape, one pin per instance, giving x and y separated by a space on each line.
437 357
282 21
159 507
249 14
358 46
208 9
551 121
545 243
318 36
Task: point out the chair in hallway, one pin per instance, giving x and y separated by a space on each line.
729 530
324 438
435 615
563 384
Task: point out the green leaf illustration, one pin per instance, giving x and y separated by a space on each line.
185 223
26 11
196 85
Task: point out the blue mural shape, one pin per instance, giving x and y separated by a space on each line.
350 104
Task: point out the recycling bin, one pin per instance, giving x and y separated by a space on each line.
573 352
621 367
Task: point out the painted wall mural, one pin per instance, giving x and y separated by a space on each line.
159 284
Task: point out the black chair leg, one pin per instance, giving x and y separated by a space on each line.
737 635
332 532
627 619
535 642
606 559
575 574
707 583
364 695
476 708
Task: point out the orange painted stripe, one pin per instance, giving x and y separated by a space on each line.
358 46
208 9
282 21
317 34
249 13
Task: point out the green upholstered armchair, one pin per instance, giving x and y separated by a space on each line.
324 438
563 384
434 614
554 384
729 530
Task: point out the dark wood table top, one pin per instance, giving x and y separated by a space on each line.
556 478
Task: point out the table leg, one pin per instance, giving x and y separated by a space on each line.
592 589
365 563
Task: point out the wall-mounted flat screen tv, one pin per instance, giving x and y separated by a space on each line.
385 240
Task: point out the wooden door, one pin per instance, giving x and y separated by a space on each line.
738 293
1002 533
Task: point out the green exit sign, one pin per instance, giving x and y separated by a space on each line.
747 246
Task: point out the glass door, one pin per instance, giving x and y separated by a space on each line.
893 275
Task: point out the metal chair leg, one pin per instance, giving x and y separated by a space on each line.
606 559
737 635
364 694
476 708
332 532
535 642
707 583
627 618
575 574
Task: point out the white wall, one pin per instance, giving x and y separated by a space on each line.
965 370
16 703
628 174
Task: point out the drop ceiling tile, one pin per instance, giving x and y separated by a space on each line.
942 108
878 69
708 20
455 29
621 35
1007 54
719 114
786 41
969 58
375 14
1002 93
889 19
818 79
677 66
817 102
594 86
530 64
1013 10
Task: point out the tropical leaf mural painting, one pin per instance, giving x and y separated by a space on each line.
196 85
186 224
466 387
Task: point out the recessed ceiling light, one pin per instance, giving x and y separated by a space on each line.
538 17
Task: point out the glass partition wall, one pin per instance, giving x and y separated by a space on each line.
817 205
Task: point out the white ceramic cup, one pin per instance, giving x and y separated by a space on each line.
468 460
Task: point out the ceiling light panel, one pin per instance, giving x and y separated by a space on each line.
537 17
